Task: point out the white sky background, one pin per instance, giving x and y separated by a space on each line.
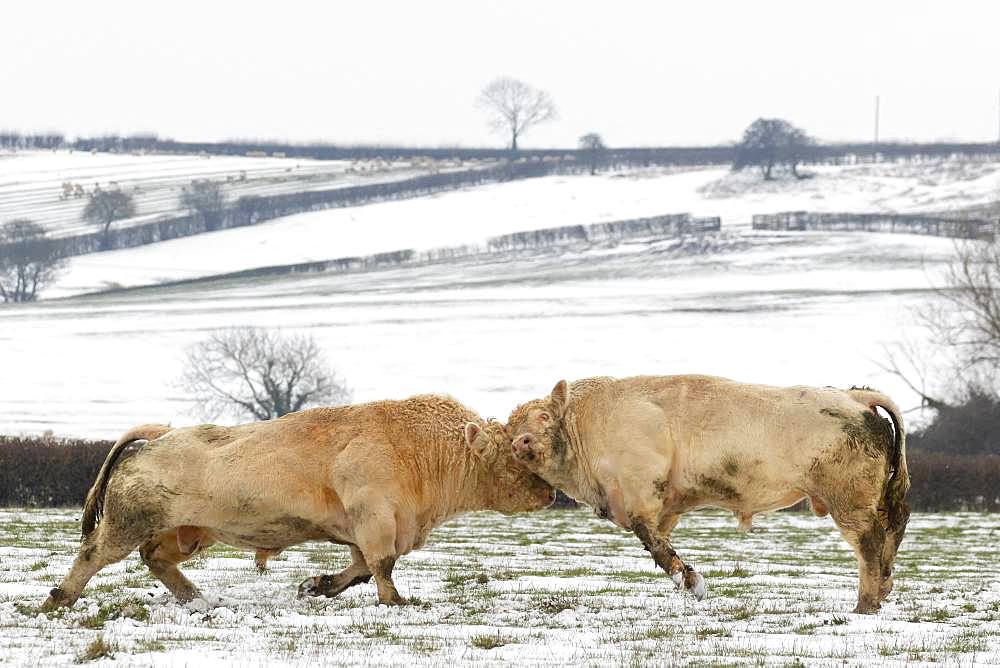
640 73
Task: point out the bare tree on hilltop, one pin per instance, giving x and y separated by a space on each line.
593 148
260 374
104 208
513 107
28 260
204 199
769 142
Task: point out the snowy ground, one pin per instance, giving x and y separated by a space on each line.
779 308
551 587
31 181
472 215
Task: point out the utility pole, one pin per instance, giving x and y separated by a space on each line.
876 120
875 142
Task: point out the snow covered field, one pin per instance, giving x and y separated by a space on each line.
550 587
780 308
471 216
31 182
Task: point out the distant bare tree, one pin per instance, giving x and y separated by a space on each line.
772 141
260 374
963 321
593 148
204 199
513 107
105 207
28 260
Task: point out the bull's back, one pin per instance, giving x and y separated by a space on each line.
750 446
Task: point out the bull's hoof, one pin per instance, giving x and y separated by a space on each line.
395 599
866 608
695 583
318 585
691 580
885 589
57 599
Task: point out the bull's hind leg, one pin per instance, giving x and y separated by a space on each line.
114 539
657 543
332 585
863 530
165 551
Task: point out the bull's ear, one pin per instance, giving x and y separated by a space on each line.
471 432
560 398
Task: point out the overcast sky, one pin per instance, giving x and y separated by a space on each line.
656 73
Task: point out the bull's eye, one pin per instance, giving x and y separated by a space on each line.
526 440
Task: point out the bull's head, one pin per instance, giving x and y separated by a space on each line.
537 429
513 488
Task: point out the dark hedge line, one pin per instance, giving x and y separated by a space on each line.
56 472
254 209
48 472
621 156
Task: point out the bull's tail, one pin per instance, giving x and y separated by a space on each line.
898 483
93 507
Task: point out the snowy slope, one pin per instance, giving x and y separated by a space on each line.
809 308
31 181
472 215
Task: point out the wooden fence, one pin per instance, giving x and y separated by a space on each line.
877 222
656 227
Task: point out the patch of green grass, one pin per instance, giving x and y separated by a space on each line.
555 603
418 602
703 632
425 645
38 565
369 629
731 590
97 649
150 646
739 571
807 628
131 608
488 641
746 610
658 632
635 576
964 643
940 615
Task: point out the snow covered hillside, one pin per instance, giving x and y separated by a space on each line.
472 215
781 308
31 182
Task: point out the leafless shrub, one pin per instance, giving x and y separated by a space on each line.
260 374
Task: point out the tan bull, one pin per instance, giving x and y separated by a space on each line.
644 450
377 477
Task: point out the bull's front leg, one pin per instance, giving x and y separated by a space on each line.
658 545
375 532
334 584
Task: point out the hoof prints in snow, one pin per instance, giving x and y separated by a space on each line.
551 587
